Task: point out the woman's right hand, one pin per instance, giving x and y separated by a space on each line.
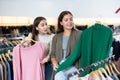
25 41
55 66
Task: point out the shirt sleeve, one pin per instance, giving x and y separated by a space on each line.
53 47
16 63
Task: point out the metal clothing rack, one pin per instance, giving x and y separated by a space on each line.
79 71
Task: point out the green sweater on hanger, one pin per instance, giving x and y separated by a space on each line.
93 45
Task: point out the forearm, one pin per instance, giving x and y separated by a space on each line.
55 63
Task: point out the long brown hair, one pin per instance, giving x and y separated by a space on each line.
60 18
35 24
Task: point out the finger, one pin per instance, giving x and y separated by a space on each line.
42 62
54 69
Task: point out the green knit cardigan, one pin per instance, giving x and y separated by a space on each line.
93 45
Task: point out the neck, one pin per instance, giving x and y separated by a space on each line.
67 32
42 33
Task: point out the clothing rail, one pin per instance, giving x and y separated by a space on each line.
79 71
7 48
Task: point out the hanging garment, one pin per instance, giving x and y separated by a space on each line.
1 72
62 75
26 62
84 78
8 70
116 49
11 69
93 45
4 70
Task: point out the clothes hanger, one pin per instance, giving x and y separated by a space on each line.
79 78
10 54
113 73
17 41
103 71
7 55
4 57
6 43
94 76
97 22
1 58
27 42
111 69
33 40
115 68
10 43
13 42
108 69
102 77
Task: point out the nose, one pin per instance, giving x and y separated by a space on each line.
45 26
70 22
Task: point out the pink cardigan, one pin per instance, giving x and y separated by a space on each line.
29 68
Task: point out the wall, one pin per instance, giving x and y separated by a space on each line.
52 8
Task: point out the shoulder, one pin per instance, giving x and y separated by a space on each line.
16 47
76 32
57 36
52 35
49 36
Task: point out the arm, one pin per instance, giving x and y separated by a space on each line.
47 58
53 55
50 46
55 64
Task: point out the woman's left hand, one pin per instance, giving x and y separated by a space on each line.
45 60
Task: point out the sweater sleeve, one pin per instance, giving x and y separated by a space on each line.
50 45
72 58
53 48
110 42
16 63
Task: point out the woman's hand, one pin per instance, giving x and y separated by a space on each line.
45 60
55 66
27 39
26 42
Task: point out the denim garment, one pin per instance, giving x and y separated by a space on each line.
48 70
62 75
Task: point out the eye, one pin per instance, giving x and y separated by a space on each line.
65 20
42 25
71 19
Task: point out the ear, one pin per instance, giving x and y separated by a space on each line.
61 23
36 28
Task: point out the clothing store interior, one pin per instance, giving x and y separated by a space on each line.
97 49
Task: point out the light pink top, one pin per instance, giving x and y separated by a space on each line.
31 68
